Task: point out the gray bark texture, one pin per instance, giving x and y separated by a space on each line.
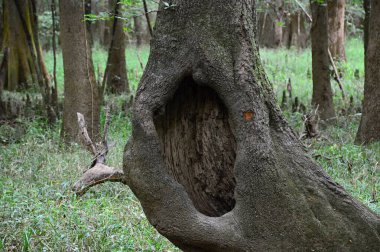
211 158
369 129
81 91
322 92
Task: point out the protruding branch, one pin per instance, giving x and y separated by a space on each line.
106 128
147 18
337 77
98 174
84 133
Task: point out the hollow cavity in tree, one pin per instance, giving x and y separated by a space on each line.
199 147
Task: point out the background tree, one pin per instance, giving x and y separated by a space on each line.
210 145
88 11
295 33
81 93
322 93
23 66
369 129
100 8
367 9
1 25
336 16
281 23
115 77
271 23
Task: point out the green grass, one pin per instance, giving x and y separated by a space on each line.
38 211
99 57
282 64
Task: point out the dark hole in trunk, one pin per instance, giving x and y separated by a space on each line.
199 147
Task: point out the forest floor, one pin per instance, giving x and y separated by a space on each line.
38 210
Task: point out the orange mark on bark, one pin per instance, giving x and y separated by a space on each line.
248 115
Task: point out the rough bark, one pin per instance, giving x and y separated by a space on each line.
115 76
80 91
369 129
322 93
336 13
203 93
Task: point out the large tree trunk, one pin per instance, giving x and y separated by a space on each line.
369 129
81 91
211 158
336 13
322 93
115 76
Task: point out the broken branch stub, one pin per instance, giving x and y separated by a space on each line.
99 172
84 133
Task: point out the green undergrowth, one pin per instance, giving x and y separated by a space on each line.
38 211
134 58
282 65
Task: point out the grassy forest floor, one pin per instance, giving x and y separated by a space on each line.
39 212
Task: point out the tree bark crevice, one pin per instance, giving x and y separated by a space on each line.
199 147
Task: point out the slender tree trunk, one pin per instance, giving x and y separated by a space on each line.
108 26
369 129
295 32
211 158
336 13
81 91
271 25
1 24
138 30
278 23
322 93
367 10
115 76
98 27
88 10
